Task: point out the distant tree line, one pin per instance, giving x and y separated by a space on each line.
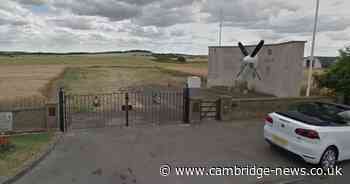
15 53
169 58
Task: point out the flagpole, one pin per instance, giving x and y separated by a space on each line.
312 57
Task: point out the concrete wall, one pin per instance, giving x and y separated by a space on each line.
279 65
239 109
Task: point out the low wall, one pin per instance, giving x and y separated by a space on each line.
29 119
238 109
34 118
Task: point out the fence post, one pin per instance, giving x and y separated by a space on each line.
61 109
186 102
127 108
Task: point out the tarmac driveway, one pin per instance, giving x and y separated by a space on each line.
134 155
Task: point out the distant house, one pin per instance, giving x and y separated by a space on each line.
320 62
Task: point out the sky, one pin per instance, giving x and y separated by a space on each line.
181 26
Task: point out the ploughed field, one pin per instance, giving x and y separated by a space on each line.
26 80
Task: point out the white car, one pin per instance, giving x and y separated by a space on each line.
317 132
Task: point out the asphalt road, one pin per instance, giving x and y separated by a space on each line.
134 155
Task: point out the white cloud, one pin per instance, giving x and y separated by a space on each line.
167 25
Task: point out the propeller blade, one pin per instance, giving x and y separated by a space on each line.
243 49
240 72
257 48
257 74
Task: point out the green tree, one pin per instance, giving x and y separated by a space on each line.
337 78
181 59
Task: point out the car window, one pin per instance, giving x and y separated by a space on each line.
345 115
329 113
306 108
330 109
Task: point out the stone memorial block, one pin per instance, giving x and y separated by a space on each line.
6 121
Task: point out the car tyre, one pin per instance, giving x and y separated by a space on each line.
329 158
273 146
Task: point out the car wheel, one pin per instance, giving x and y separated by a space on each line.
272 145
328 159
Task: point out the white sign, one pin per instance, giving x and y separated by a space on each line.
194 82
6 121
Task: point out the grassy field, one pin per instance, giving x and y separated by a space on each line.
102 59
31 75
108 59
94 79
26 146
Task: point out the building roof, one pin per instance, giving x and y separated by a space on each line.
325 61
273 44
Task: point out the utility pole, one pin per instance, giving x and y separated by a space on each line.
312 57
220 29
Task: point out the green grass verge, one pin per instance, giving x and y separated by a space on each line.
26 146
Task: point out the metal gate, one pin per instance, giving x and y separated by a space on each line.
123 108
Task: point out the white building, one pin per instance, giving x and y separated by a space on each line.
279 65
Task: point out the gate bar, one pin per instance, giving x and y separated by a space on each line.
61 109
186 99
127 108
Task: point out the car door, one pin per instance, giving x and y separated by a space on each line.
340 136
340 133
